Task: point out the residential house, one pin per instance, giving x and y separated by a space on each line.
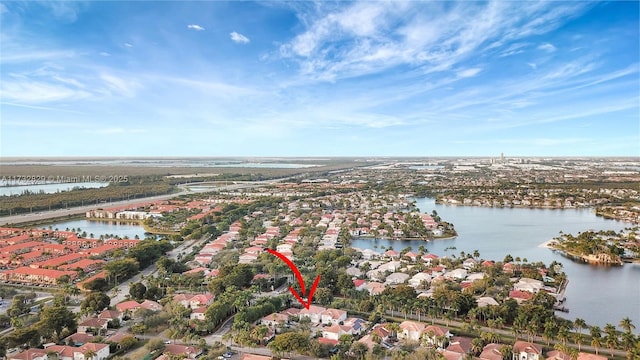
333 316
529 285
334 331
451 355
492 351
375 288
420 279
190 351
110 315
381 331
411 330
436 335
396 278
198 313
29 354
314 313
460 345
193 301
275 319
523 350
98 325
484 301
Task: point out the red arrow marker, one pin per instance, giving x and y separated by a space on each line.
296 272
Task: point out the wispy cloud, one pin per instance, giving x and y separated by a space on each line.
129 45
364 38
195 27
468 72
38 92
32 55
119 86
239 38
116 130
548 47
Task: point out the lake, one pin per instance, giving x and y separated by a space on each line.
98 228
597 294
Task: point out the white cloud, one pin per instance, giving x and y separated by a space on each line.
31 55
118 86
468 72
128 45
27 91
116 130
548 47
104 53
370 37
195 27
532 65
239 38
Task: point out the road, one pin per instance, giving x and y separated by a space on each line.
185 189
44 215
123 288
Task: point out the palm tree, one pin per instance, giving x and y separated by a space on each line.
579 324
563 334
89 354
611 338
578 338
596 336
393 329
626 325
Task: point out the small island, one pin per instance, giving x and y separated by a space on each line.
601 247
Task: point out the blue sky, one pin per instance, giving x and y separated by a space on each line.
319 78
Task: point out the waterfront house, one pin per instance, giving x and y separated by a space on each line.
527 284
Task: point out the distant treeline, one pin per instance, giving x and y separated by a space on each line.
135 187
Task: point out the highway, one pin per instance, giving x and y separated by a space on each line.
44 215
61 213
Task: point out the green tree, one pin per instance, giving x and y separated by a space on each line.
54 320
596 337
95 302
627 325
155 345
99 284
289 342
137 290
359 350
611 337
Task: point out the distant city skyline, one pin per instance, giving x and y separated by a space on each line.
302 78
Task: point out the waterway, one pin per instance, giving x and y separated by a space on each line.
98 228
597 294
